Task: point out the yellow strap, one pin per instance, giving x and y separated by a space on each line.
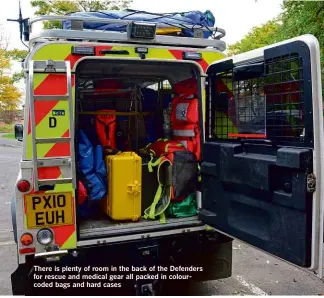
151 214
199 177
155 201
152 164
162 218
167 146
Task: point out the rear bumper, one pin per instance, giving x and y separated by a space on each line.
213 252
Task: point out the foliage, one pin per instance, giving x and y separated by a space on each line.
17 54
7 128
304 17
297 18
9 93
63 7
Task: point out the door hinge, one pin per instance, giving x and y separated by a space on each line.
311 183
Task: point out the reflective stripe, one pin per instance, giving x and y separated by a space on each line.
181 111
184 143
184 133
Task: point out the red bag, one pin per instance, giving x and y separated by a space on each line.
186 87
106 129
162 147
185 116
189 136
169 174
82 194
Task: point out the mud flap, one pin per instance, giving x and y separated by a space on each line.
20 282
216 260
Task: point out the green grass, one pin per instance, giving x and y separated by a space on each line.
9 136
7 128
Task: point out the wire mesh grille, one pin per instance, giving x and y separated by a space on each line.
270 106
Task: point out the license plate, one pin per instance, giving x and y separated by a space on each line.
52 209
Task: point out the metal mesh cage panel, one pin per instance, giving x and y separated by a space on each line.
269 106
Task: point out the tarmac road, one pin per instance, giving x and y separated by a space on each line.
254 272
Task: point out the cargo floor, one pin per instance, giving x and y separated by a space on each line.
103 227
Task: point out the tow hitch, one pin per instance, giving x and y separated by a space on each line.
148 256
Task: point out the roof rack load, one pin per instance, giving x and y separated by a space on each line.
187 23
133 27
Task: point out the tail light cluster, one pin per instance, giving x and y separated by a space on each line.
23 185
44 236
26 239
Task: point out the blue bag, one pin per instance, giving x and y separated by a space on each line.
92 167
86 158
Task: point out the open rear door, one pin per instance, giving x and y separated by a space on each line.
263 153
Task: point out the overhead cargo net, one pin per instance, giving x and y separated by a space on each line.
179 24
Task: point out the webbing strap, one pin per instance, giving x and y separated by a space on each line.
199 176
150 212
161 193
143 150
167 147
157 197
152 164
162 218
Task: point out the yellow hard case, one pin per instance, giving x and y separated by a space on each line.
123 201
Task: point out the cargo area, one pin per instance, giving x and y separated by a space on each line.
126 113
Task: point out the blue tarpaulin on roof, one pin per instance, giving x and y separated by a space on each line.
191 19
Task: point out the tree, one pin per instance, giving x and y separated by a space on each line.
304 17
9 93
297 18
18 55
63 7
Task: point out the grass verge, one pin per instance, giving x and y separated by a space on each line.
7 128
9 136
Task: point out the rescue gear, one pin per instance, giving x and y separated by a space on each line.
82 193
185 208
149 184
106 129
92 168
176 174
123 201
192 19
85 208
161 147
88 124
185 116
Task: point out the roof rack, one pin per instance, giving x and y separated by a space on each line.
120 37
